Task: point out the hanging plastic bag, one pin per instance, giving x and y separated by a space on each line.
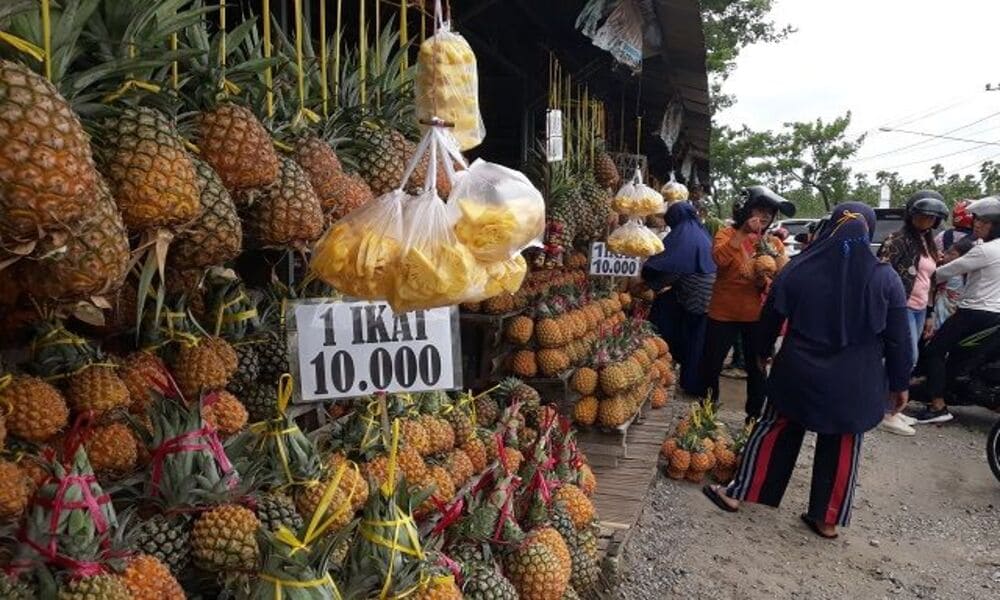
634 239
636 199
447 84
497 211
360 253
674 191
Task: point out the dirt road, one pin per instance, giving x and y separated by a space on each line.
926 525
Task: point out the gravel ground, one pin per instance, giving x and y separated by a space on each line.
925 526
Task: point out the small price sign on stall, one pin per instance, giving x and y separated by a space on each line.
605 263
348 349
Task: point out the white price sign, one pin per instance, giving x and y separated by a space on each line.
609 264
348 349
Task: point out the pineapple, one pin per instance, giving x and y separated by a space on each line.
586 562
92 587
224 538
487 410
14 491
261 403
145 376
552 361
200 366
555 542
460 467
112 449
288 212
482 581
580 508
224 412
588 482
92 261
442 587
273 355
320 163
13 589
46 167
382 161
476 451
148 170
276 510
613 412
440 434
584 381
247 369
585 411
149 579
97 388
237 147
37 410
349 191
519 330
166 538
535 571
216 235
461 424
415 435
524 363
412 465
606 171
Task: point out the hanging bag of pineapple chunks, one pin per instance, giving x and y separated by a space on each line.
635 199
675 191
447 83
435 269
635 239
358 254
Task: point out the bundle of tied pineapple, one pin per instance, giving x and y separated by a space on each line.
629 366
701 445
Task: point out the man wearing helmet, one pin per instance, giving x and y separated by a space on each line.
736 302
978 309
912 253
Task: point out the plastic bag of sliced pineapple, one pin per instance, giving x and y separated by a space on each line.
634 239
359 254
496 211
447 84
636 199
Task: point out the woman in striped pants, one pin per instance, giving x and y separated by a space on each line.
845 355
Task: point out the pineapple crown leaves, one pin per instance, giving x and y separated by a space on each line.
286 568
57 352
232 311
389 87
71 517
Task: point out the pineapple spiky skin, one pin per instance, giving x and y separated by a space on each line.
247 369
535 571
554 540
14 589
461 424
216 236
439 588
273 354
288 212
482 581
144 375
277 510
198 367
93 261
224 412
349 191
320 163
147 578
579 506
383 161
149 171
47 174
261 403
606 172
97 388
95 587
487 410
167 538
586 562
112 449
237 147
224 538
14 490
37 410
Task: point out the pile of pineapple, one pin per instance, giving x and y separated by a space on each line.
537 284
702 446
629 365
561 330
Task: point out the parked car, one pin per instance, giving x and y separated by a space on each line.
794 227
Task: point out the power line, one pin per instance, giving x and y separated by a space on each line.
927 113
940 137
927 160
924 142
977 163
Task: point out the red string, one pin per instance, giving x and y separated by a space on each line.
78 434
178 444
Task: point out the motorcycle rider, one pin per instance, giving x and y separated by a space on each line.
948 292
914 256
978 309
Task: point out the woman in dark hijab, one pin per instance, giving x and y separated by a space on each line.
846 352
686 266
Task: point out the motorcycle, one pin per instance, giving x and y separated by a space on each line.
974 380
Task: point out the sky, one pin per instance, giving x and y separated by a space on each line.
906 64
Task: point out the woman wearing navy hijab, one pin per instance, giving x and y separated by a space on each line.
679 313
847 352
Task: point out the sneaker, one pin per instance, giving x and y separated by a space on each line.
929 416
894 424
907 419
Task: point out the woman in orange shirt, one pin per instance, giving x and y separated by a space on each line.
737 296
